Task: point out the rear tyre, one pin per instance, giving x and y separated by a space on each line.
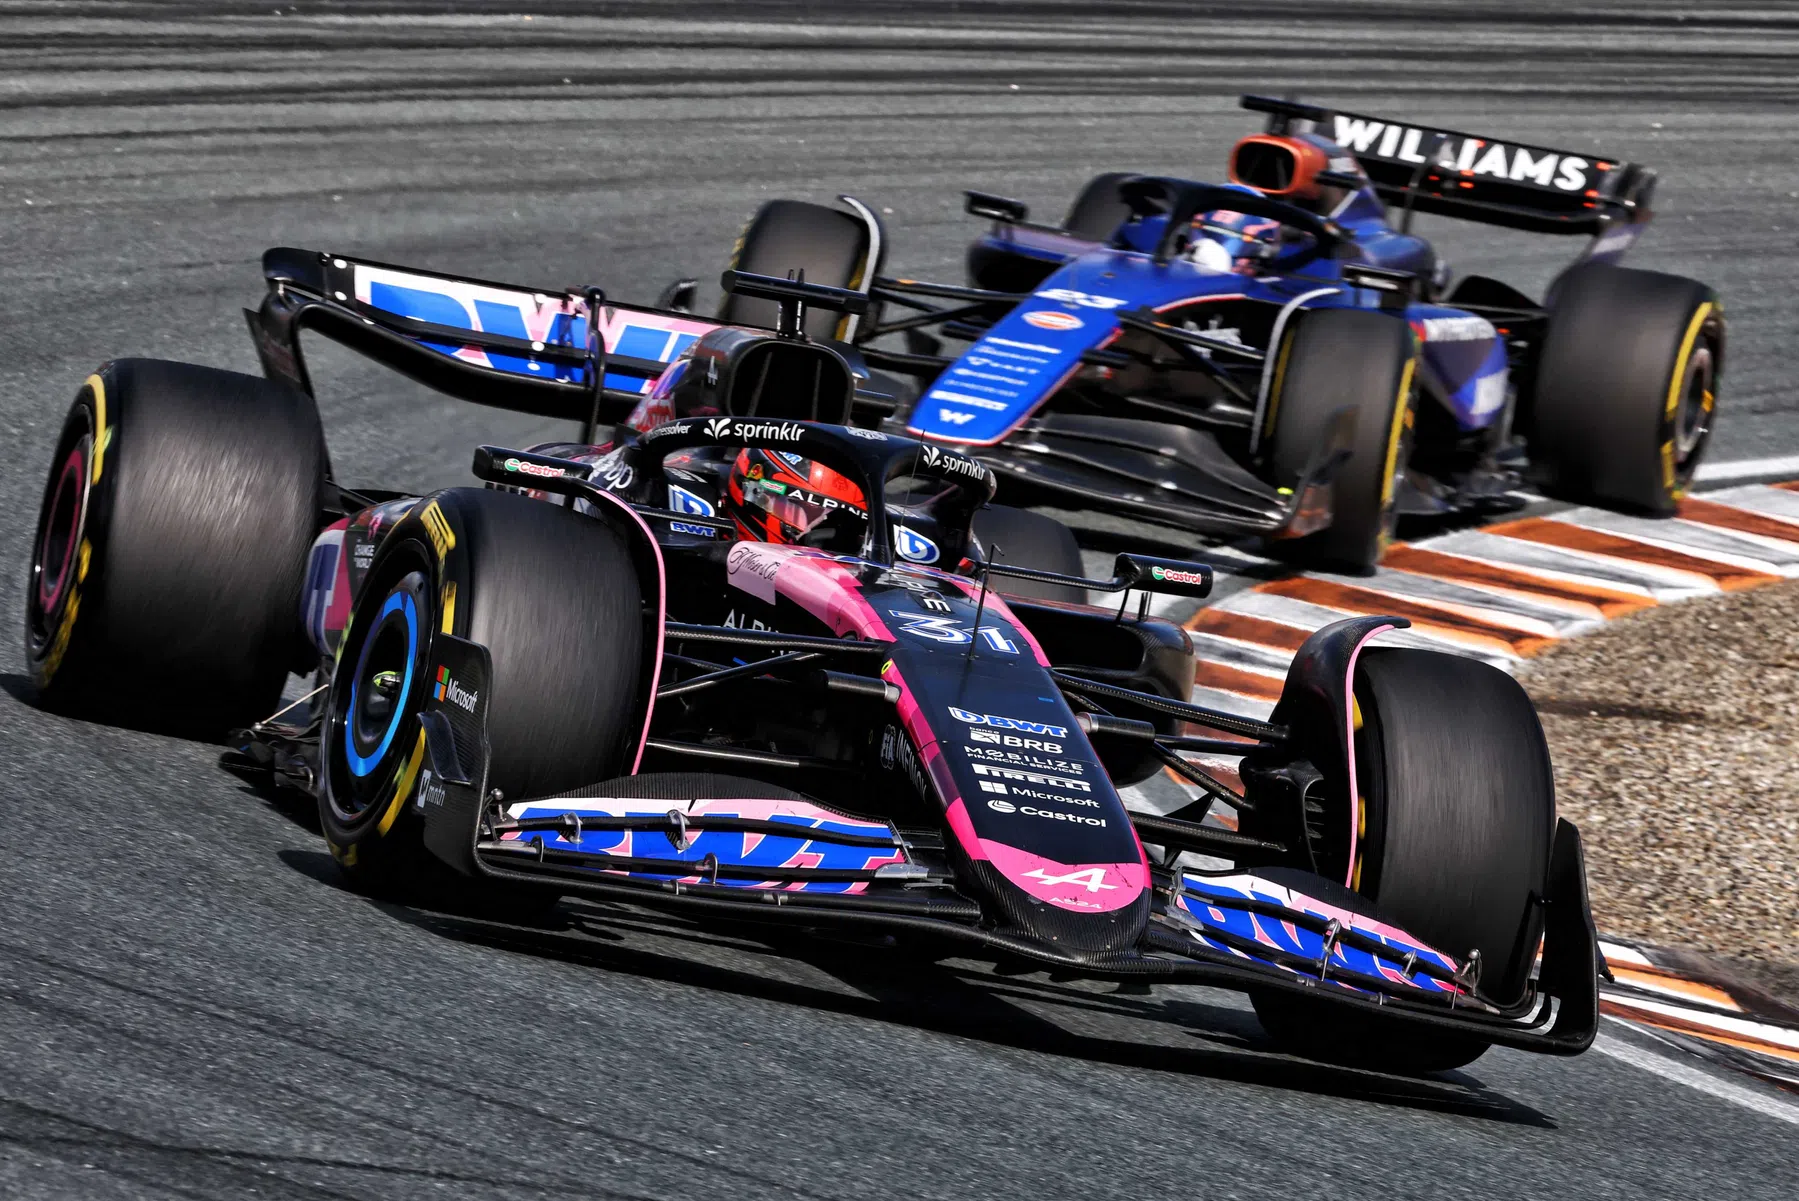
171 547
1332 359
555 598
1457 805
1098 209
1027 539
1626 387
829 245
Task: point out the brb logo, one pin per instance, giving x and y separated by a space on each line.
1008 723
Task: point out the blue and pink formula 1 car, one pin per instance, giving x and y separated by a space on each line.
1281 355
754 661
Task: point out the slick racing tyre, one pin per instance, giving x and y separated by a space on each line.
1098 210
1331 359
553 596
171 547
829 245
1626 387
1456 808
1027 539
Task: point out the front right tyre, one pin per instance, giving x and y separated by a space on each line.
171 547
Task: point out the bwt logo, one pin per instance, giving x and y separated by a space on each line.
1007 723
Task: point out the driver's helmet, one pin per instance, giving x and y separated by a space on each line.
1227 240
776 496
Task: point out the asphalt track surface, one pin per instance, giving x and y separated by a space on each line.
191 1006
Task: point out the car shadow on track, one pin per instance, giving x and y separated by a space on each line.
904 987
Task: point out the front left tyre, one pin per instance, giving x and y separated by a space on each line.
555 598
171 547
1453 821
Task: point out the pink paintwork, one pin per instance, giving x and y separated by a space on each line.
1349 742
661 621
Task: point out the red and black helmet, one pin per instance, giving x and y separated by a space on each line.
774 496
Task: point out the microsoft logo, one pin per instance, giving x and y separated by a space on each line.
448 689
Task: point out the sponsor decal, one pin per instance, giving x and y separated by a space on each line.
897 755
1031 777
753 569
613 472
363 555
448 689
1002 806
746 622
858 432
1014 740
673 427
1093 879
953 417
962 398
952 463
698 531
1456 329
1007 723
730 427
1019 759
431 790
988 345
683 501
1465 155
438 526
1053 319
1084 299
914 546
536 469
1175 575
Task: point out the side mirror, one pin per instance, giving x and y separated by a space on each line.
1167 577
996 208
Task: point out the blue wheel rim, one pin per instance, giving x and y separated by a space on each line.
362 765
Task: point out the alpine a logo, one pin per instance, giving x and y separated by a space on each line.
1008 723
448 689
777 431
1460 153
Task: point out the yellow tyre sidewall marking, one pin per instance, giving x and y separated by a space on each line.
65 629
1274 390
102 431
402 786
1688 341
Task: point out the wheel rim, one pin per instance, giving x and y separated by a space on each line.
54 559
373 693
1693 418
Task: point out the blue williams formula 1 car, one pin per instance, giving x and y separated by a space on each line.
1281 356
754 665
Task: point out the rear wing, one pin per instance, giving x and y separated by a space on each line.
1426 169
493 344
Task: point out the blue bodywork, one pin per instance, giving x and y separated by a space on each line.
1017 365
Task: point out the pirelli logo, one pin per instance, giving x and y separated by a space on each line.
1032 777
438 526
